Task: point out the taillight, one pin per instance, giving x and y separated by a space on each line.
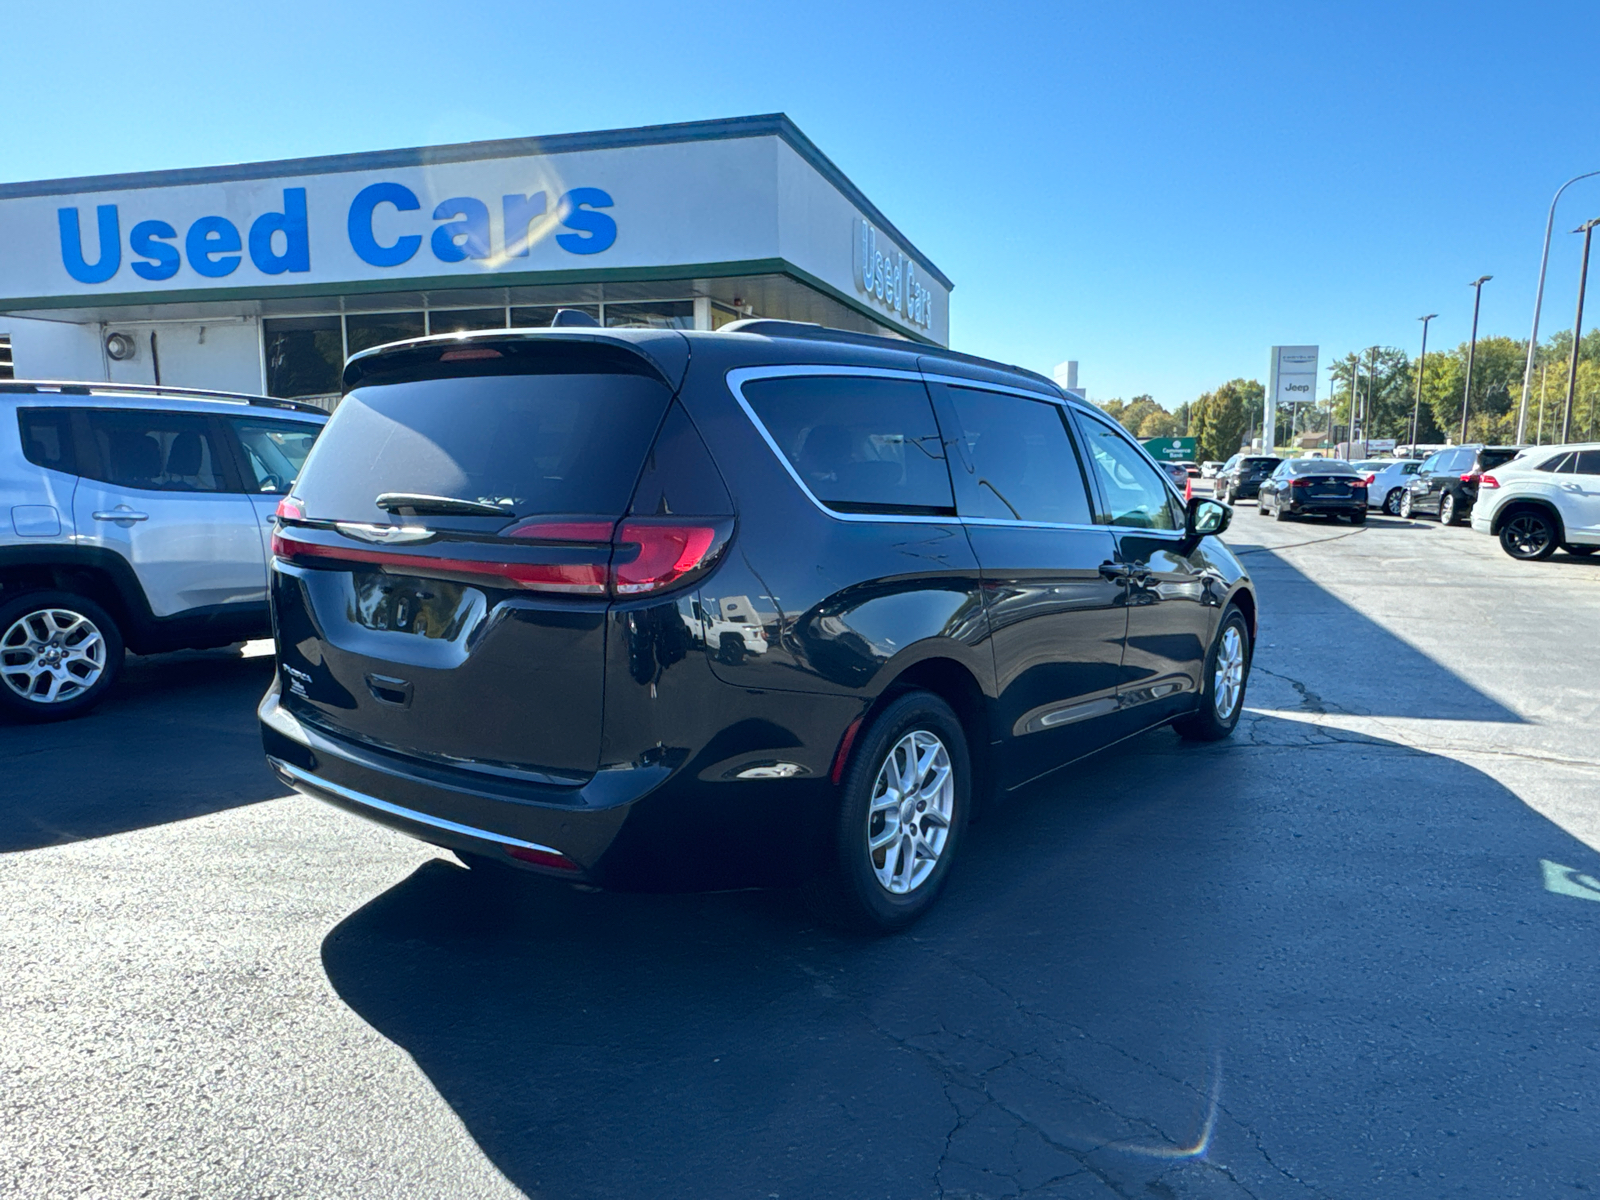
666 553
1489 481
1471 477
1372 479
290 507
551 860
1294 483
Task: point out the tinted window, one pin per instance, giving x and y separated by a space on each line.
1409 468
304 355
1135 495
1430 463
47 438
1252 466
155 451
1458 462
1561 462
274 451
1588 462
1488 460
860 444
679 477
1018 458
532 443
1320 466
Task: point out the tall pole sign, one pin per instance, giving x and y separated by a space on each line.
1291 379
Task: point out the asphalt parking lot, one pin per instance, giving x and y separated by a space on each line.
1350 952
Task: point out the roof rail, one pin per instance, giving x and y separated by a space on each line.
78 388
771 327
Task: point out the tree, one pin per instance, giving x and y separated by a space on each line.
1159 424
1132 414
1219 420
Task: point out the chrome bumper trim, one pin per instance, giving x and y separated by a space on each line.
305 781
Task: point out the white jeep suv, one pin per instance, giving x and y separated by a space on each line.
137 517
1547 497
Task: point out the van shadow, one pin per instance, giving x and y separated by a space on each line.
175 738
1182 971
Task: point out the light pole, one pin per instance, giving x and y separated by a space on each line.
1355 371
1366 407
1422 365
1472 349
1587 229
1538 301
1538 438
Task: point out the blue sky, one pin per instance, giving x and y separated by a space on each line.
1161 192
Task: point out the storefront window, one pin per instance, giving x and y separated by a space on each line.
657 314
539 317
305 356
464 320
375 329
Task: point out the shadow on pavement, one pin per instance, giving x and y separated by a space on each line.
176 738
1187 971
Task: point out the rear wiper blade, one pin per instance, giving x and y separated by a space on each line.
416 504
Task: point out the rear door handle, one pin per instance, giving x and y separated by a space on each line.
121 513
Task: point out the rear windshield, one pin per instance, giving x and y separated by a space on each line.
1489 459
529 443
1256 464
1321 466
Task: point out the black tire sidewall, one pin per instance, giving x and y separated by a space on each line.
1546 551
1203 724
866 906
27 710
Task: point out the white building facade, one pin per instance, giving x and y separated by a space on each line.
264 277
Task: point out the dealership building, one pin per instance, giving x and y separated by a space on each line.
264 277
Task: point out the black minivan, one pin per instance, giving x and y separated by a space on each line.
658 609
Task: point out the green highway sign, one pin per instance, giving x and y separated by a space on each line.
1171 449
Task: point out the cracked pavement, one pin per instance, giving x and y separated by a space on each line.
1317 960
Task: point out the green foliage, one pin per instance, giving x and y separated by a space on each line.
1219 421
1160 424
1132 415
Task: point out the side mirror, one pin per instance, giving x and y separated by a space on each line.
1206 518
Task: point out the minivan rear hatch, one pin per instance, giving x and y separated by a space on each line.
442 570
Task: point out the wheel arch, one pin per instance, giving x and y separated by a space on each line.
1511 508
954 683
97 574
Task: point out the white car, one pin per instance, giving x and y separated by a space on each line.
1208 470
1545 498
1386 481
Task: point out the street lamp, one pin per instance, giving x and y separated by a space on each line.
1472 348
1422 365
1587 229
1538 301
1366 406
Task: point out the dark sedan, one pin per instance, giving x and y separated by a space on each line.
1241 476
1314 487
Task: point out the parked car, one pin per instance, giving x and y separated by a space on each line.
1209 469
1179 477
1547 497
1314 487
1191 469
1386 481
1241 476
139 517
495 622
1446 482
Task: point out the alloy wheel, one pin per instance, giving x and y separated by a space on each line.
1405 505
908 820
1227 680
52 655
1526 536
1447 509
1391 502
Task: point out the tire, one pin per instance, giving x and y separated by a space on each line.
1580 551
1358 518
1406 507
1221 689
1529 535
1391 502
856 893
1279 512
1449 510
60 653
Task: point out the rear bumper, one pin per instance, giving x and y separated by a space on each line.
1336 505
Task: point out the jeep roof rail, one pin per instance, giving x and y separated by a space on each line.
77 388
809 330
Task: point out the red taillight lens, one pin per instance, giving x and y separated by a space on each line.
1294 483
1489 481
1372 479
290 507
1471 477
583 579
666 553
562 531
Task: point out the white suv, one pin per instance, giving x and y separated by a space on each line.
137 517
1546 497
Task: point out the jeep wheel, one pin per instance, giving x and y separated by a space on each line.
902 813
59 655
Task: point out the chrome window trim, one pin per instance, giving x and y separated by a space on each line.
739 376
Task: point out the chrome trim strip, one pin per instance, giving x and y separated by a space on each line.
1055 714
303 779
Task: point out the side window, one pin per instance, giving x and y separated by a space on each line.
47 438
1459 463
860 444
1408 468
1135 494
275 451
155 451
1018 458
1557 464
1429 464
1588 462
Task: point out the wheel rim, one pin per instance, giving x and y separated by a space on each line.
1405 506
1392 504
1447 509
1227 681
908 822
52 655
1526 535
